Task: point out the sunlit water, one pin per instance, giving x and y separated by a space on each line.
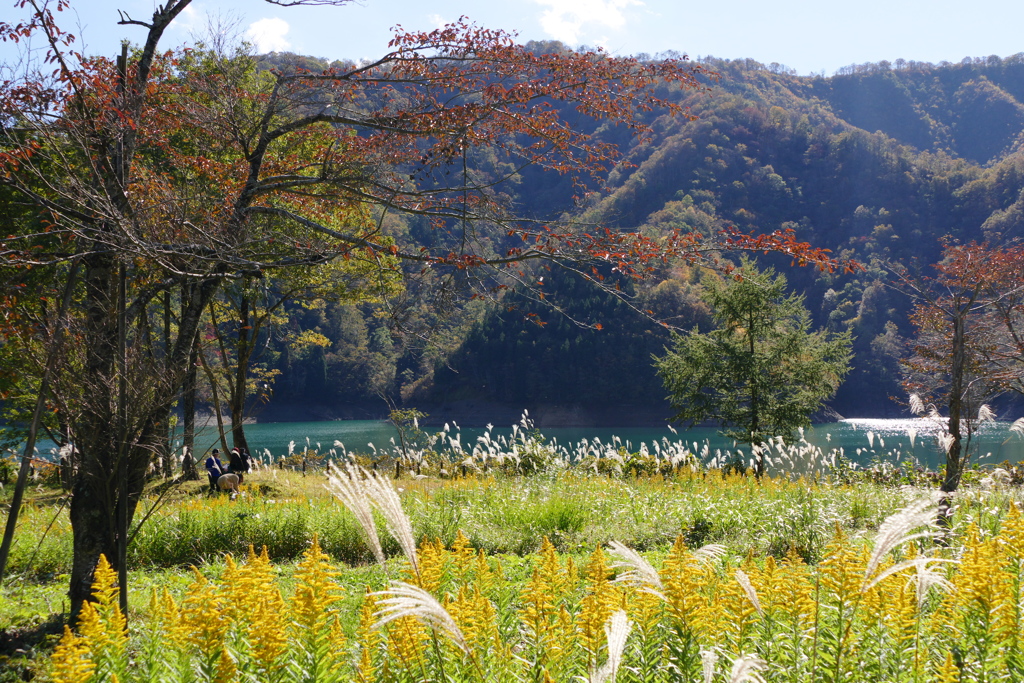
863 441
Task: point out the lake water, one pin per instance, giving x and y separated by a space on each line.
863 440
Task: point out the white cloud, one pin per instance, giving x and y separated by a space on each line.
436 20
189 19
268 35
565 20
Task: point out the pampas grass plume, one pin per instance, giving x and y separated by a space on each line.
346 486
897 530
708 661
405 600
748 588
710 553
639 571
745 668
617 630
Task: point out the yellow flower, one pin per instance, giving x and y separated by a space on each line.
316 592
368 639
204 615
461 557
476 617
545 620
407 642
685 579
948 672
226 670
72 661
984 599
600 601
432 557
314 622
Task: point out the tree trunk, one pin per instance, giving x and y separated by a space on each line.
98 488
218 412
94 495
188 403
237 393
954 459
167 461
755 423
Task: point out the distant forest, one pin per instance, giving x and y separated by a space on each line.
879 163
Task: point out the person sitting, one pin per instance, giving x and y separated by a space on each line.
237 464
215 468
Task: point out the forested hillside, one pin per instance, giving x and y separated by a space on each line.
879 163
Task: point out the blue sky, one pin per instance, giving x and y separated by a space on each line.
809 36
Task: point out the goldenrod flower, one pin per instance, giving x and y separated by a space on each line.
72 660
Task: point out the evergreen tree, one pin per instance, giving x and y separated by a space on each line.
761 372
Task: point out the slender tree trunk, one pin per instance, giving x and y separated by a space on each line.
954 459
188 402
954 455
237 393
755 423
218 411
167 461
26 460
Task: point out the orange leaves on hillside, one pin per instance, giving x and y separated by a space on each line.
236 162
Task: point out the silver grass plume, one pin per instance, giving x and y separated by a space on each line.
710 553
748 588
639 571
985 413
916 404
385 498
406 600
1018 426
928 577
616 630
945 441
708 660
359 490
745 668
897 530
347 487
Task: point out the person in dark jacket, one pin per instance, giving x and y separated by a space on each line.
215 468
237 464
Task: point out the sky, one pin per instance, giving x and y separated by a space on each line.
809 36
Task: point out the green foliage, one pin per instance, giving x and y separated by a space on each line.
8 469
761 372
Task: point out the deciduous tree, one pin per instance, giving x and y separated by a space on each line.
968 346
180 171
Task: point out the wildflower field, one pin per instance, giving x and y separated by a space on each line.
581 574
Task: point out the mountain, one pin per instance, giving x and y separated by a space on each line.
879 163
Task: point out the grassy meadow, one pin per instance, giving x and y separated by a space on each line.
627 567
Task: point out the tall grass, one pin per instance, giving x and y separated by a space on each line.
885 607
576 510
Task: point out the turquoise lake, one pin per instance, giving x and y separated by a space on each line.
863 440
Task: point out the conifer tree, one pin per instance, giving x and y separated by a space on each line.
762 371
